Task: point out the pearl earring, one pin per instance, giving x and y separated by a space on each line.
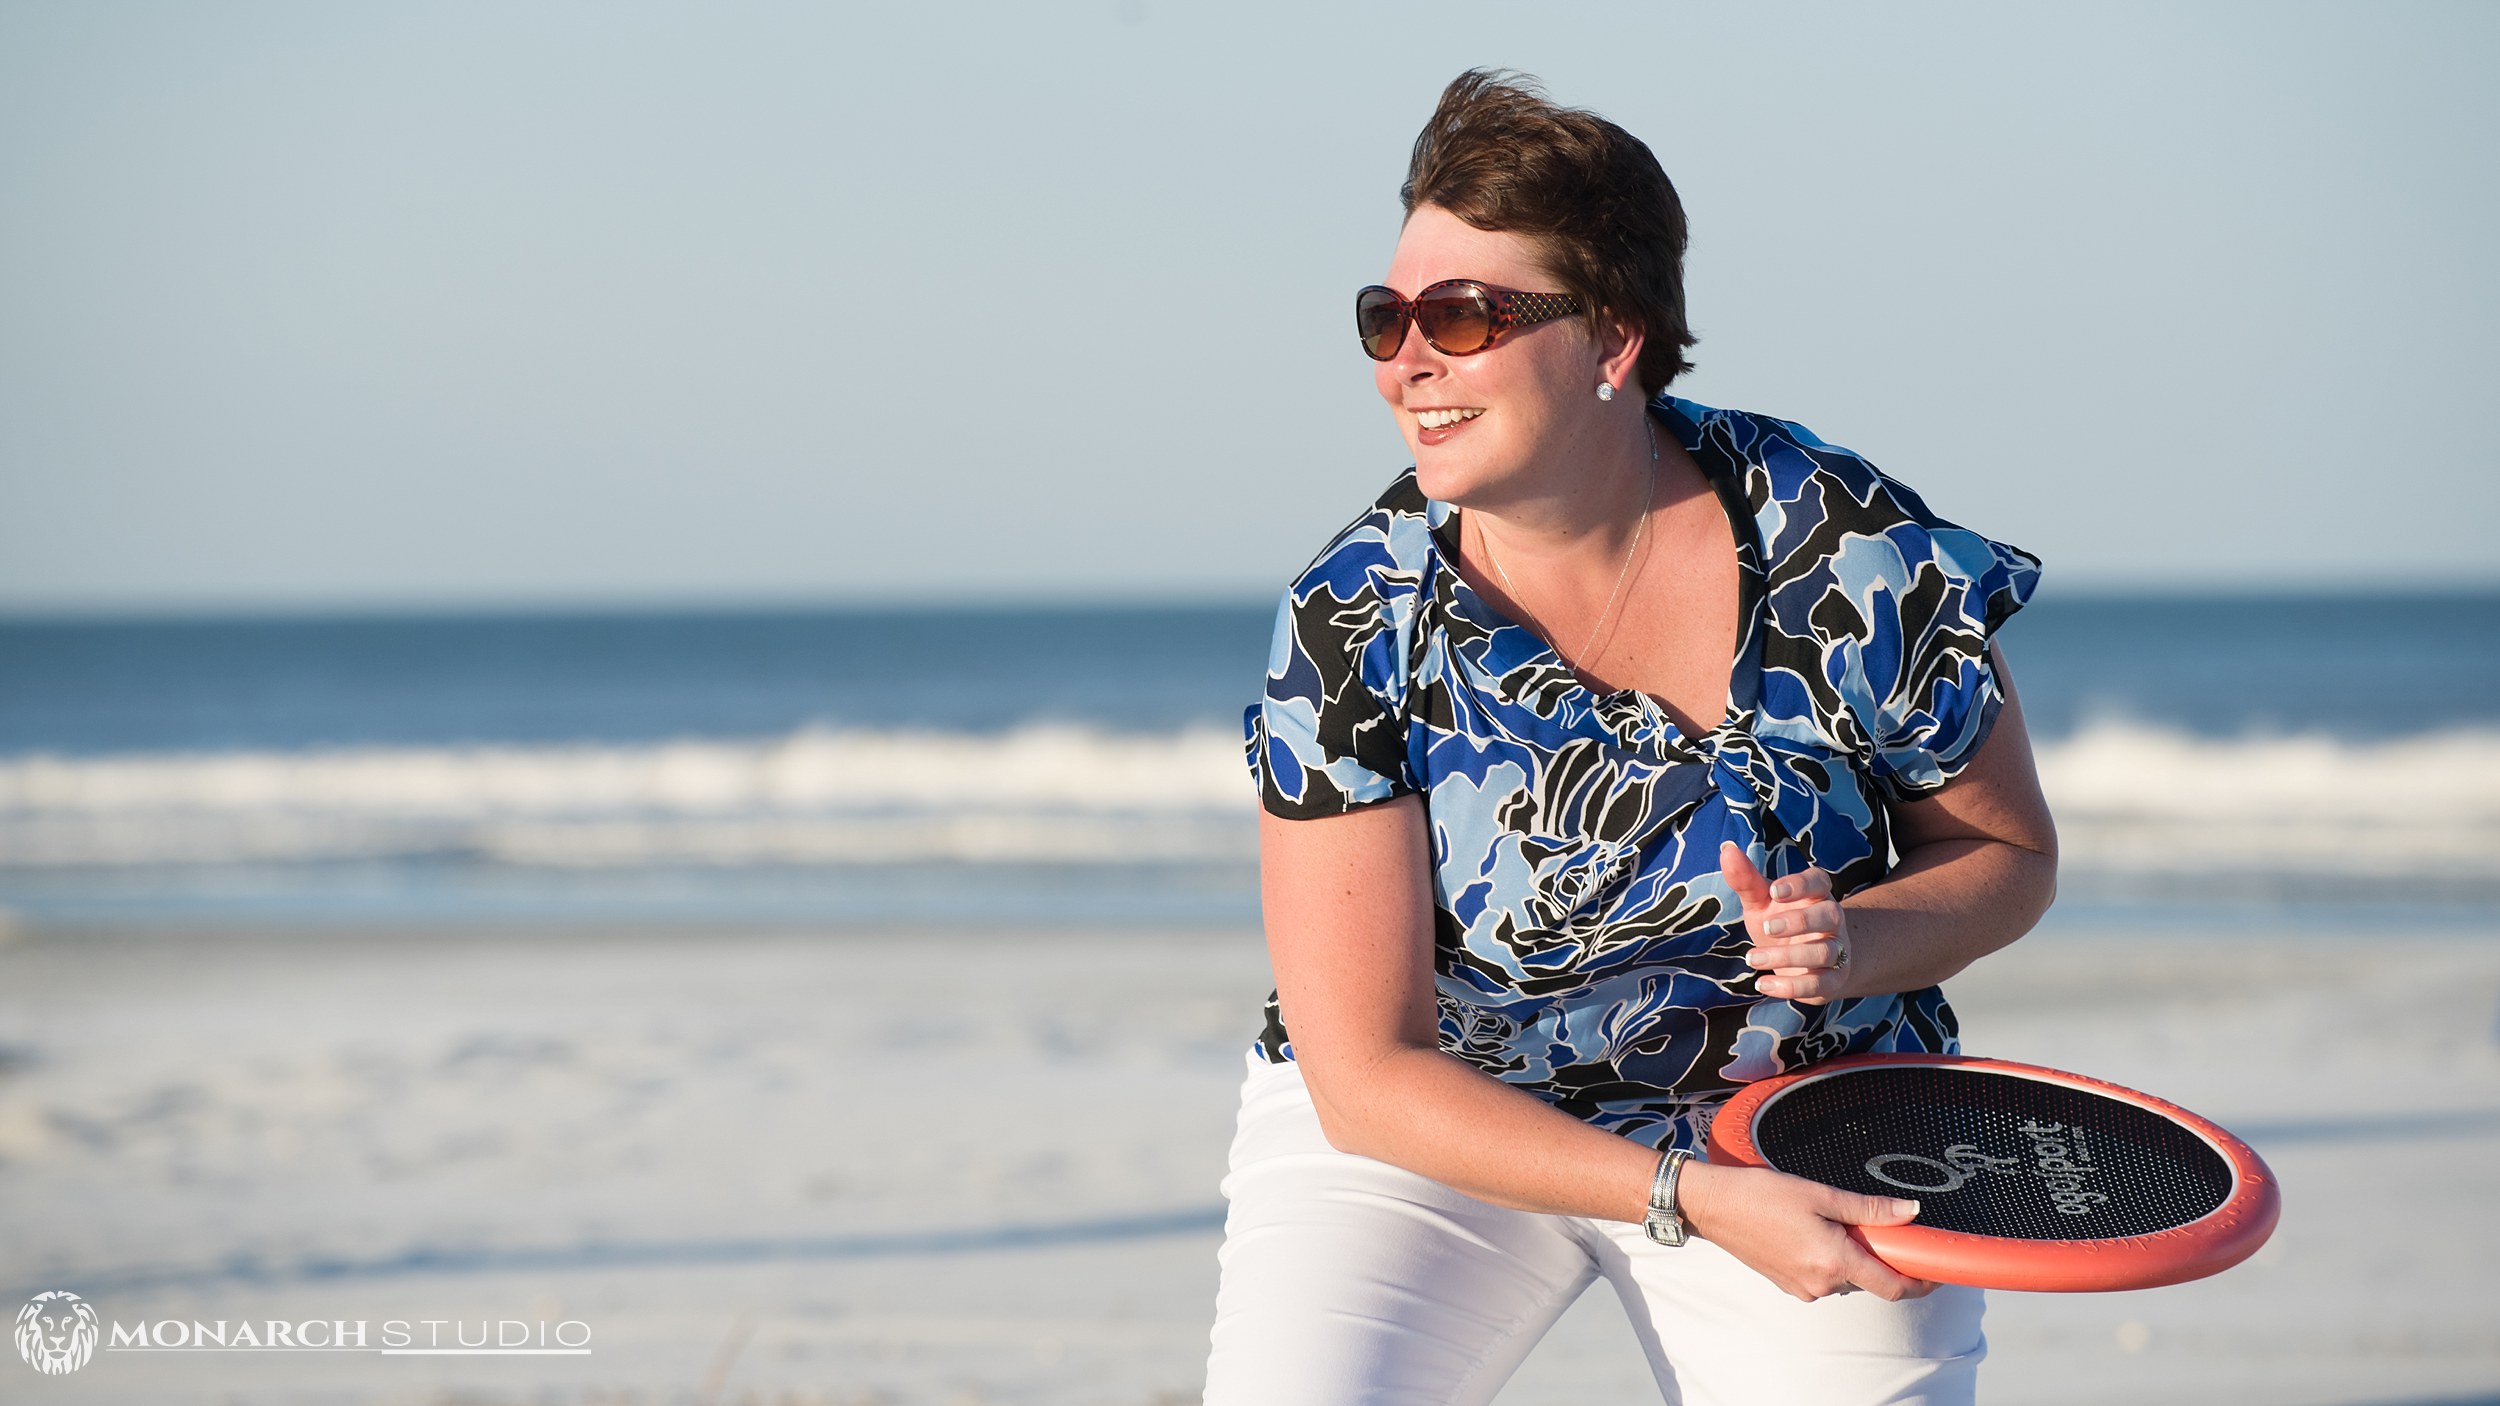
1605 390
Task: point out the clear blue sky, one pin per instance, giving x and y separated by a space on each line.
335 304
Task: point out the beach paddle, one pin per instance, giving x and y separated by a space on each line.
2026 1178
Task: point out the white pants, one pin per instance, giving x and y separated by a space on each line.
1348 1280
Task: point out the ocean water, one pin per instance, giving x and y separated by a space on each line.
2241 759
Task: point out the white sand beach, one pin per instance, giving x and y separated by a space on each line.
938 1168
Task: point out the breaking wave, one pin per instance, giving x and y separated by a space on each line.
2145 801
1045 795
2130 800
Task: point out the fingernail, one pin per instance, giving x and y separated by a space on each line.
1904 1208
1775 927
1783 889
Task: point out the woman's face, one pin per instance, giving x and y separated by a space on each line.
1523 403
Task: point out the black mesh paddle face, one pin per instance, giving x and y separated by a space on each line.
1995 1154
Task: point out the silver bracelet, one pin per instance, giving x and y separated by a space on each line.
1665 1223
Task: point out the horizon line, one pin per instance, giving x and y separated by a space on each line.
274 609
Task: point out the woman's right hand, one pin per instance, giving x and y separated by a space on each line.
1795 1232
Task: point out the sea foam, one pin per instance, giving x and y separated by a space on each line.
2129 799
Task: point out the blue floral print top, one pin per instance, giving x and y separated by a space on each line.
1587 950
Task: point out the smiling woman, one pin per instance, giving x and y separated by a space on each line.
1623 752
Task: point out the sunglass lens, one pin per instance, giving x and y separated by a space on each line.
1455 320
1380 322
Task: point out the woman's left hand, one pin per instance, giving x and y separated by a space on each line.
1800 934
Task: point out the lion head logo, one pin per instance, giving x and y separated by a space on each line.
56 1332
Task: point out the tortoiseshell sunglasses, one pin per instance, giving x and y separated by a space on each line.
1458 316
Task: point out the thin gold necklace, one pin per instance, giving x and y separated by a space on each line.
1649 496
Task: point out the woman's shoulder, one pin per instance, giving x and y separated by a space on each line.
1384 555
1879 610
1806 480
1835 528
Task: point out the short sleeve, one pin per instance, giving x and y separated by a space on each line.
1331 732
1904 628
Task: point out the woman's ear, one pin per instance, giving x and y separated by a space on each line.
1619 343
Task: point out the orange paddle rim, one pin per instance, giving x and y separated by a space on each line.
2213 1242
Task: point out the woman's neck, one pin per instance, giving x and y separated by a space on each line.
1580 504
1576 564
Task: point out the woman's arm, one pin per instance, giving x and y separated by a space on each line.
1348 903
1978 868
1349 921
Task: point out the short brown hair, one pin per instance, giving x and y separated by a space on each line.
1605 217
